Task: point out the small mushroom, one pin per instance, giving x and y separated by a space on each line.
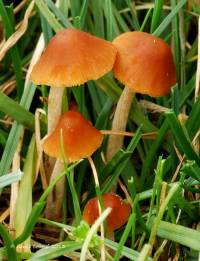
144 64
80 138
118 216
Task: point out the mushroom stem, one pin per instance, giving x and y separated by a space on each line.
120 121
54 107
55 198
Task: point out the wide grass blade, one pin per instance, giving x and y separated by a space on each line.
16 131
10 178
179 234
25 195
56 250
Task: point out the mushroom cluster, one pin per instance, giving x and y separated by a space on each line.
71 58
142 62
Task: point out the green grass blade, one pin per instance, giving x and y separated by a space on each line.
152 152
48 34
58 13
191 169
14 52
144 252
157 13
182 140
127 252
176 40
193 123
48 15
135 20
25 193
31 221
122 26
179 234
16 131
56 250
10 148
187 91
109 19
10 178
83 13
145 20
3 137
75 7
17 112
160 29
173 191
97 7
117 169
124 237
10 247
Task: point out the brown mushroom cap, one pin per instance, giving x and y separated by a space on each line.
144 63
80 138
73 57
118 216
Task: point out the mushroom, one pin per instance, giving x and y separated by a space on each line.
71 58
80 138
118 216
144 64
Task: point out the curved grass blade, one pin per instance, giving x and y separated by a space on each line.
10 247
16 131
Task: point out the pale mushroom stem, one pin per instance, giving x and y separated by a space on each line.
54 107
55 198
120 121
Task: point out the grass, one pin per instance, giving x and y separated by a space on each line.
159 176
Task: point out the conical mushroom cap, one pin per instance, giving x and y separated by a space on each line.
144 63
73 57
80 138
117 217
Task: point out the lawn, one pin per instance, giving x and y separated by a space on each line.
100 130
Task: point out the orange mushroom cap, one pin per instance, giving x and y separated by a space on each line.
73 57
144 63
80 138
118 216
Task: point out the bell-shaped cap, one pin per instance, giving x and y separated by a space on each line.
80 138
117 217
144 63
73 57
